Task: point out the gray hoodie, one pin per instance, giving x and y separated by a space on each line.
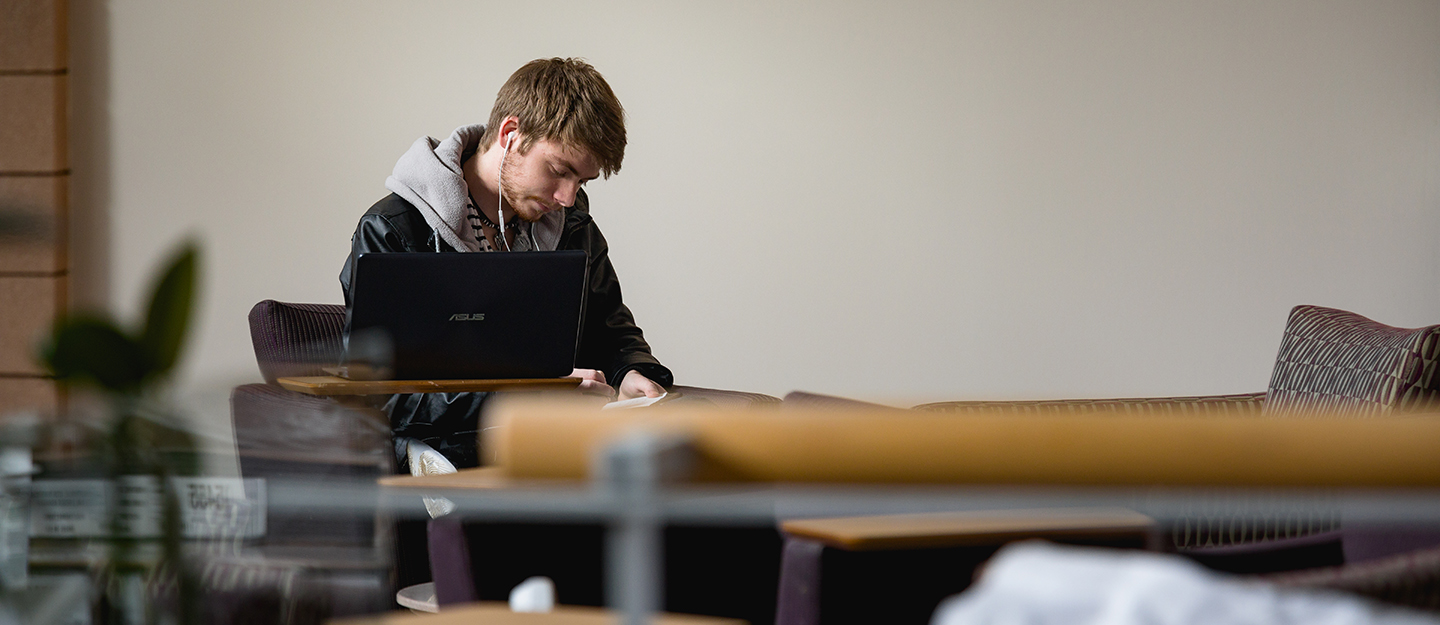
429 177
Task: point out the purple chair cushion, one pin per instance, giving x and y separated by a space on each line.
798 602
296 339
1374 542
1332 360
450 562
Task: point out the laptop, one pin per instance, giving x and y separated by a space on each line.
493 315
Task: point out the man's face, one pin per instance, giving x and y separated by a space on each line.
545 179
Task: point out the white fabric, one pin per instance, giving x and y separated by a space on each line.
1036 583
430 177
424 460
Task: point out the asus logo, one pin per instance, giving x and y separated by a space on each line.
467 317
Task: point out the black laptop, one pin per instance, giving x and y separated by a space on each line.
495 315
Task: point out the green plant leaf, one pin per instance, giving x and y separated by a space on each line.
92 350
169 314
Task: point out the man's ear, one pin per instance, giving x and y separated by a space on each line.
509 125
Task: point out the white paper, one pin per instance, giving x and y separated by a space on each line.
637 402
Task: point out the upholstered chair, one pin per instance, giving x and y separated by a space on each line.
1329 361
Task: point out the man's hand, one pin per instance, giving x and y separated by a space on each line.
592 382
636 385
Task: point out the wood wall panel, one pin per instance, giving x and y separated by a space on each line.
23 394
32 35
35 221
27 307
32 135
34 193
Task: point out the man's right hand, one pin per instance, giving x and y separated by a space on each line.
592 382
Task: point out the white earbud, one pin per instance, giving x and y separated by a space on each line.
500 206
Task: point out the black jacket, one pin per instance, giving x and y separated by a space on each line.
609 339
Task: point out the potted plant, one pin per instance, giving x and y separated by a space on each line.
140 443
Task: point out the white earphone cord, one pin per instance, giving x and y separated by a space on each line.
500 182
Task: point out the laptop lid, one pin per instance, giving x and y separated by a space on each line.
466 316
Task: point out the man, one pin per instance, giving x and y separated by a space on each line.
515 184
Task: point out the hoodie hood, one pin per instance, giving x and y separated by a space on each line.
430 178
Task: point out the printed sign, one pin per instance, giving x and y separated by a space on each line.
140 503
221 507
210 507
69 508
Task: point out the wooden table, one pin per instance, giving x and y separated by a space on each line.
334 386
477 478
956 529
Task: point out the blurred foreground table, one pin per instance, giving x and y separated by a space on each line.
637 470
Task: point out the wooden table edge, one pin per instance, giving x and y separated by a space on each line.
1048 523
887 543
479 478
334 386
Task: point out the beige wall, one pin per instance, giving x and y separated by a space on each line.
901 200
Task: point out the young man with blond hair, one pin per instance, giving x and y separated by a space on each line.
515 184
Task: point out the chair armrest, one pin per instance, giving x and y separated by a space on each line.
1243 404
1411 579
725 399
1270 556
273 423
804 399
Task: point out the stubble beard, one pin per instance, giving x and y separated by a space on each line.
513 194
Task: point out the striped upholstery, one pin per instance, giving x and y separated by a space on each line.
1411 579
281 424
284 435
296 339
1220 521
1332 360
726 399
1245 404
803 399
238 574
1329 360
243 590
